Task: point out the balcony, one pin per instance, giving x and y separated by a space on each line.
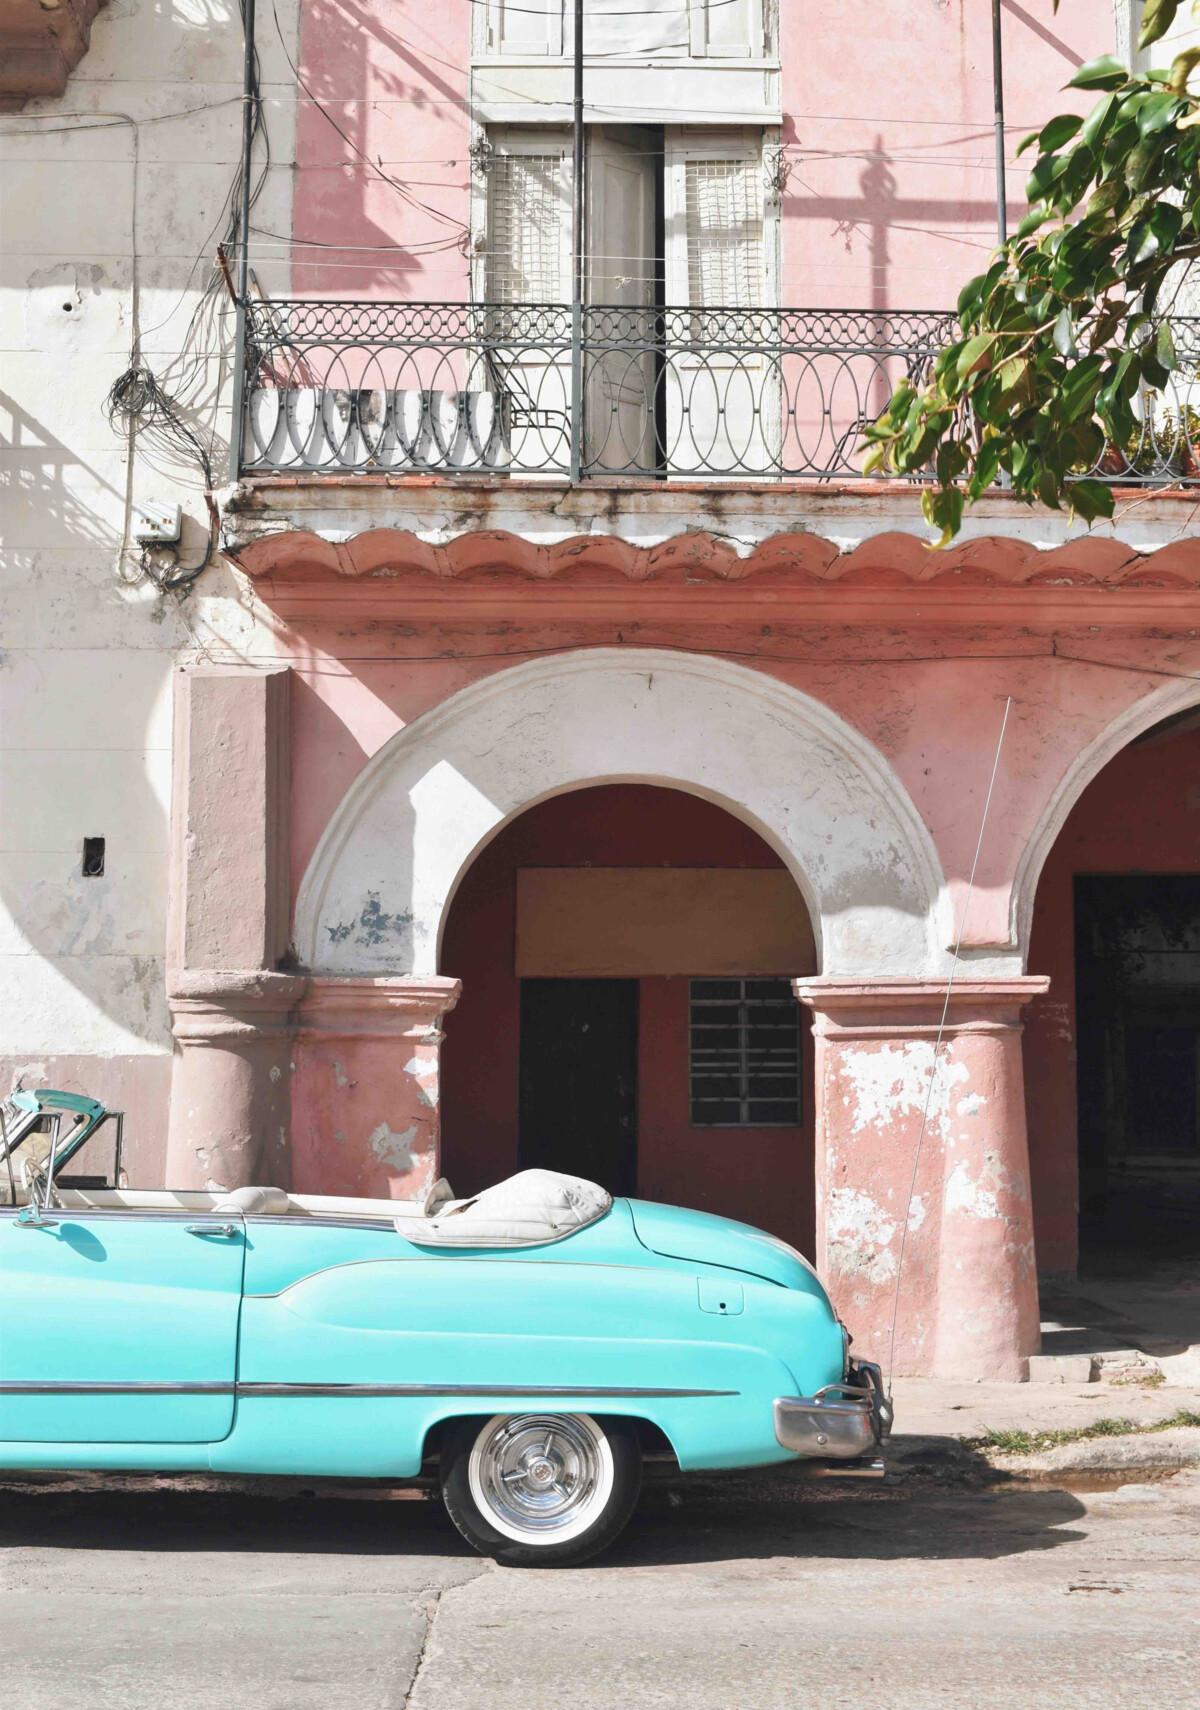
458 390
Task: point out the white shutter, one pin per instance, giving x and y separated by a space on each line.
723 219
528 244
525 27
730 29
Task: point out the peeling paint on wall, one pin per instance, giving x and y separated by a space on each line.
394 1150
891 1081
373 926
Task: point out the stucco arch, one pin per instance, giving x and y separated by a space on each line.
376 891
1088 764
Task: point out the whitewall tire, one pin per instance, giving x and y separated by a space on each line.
540 1489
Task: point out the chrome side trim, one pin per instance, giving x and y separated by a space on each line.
103 1387
305 1220
488 1389
120 1213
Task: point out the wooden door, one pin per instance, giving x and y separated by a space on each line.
578 1092
622 274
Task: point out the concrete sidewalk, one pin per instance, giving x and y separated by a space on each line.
957 1430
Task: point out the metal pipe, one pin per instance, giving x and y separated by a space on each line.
249 120
577 238
998 102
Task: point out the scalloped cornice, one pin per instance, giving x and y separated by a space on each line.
796 561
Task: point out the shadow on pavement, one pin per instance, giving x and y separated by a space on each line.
697 1519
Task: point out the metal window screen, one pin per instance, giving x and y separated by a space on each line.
527 210
724 233
744 1057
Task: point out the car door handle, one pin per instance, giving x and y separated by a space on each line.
226 1230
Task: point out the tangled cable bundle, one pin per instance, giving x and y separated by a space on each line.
138 404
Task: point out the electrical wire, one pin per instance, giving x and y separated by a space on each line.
161 412
413 201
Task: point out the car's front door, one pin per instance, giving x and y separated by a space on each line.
118 1326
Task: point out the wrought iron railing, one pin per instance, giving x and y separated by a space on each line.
744 394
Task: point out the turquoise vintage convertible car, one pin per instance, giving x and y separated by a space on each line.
530 1345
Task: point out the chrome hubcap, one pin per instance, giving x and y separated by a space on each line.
541 1478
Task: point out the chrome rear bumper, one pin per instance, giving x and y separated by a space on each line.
842 1422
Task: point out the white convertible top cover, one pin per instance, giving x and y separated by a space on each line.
531 1207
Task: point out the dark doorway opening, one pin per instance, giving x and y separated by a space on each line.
1137 972
579 1080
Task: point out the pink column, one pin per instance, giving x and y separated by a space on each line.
968 1289
228 1123
365 1102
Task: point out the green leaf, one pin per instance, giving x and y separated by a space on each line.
1157 18
1090 499
1142 161
1037 216
1059 131
1079 389
1098 120
1164 347
1105 198
1182 67
1064 335
987 467
975 354
1156 235
943 508
1103 73
1157 113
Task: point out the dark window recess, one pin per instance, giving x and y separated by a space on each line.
744 1057
93 857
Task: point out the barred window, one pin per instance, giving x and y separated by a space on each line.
744 1060
528 229
724 209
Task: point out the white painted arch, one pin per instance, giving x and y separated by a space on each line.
375 895
1161 703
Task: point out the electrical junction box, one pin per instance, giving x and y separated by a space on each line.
157 525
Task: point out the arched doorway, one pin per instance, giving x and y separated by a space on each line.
626 1014
1113 1053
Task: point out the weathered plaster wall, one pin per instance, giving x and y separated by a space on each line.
374 896
891 199
1090 634
392 78
762 1175
1141 815
111 203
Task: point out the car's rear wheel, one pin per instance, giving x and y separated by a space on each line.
540 1489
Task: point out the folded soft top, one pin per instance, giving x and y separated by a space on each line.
531 1207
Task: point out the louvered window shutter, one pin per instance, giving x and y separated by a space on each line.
528 256
724 225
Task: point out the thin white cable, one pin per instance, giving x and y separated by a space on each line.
933 1068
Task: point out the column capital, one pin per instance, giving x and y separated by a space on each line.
913 1008
215 1006
375 1007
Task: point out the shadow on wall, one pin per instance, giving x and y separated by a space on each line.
416 117
85 754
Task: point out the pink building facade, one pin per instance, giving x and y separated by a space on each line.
606 780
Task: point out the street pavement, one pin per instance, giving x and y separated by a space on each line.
738 1594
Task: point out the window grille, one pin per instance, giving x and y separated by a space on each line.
527 214
744 1060
724 233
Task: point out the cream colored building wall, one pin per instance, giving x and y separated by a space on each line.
112 205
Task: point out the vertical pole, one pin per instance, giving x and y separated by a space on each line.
998 101
249 118
577 211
